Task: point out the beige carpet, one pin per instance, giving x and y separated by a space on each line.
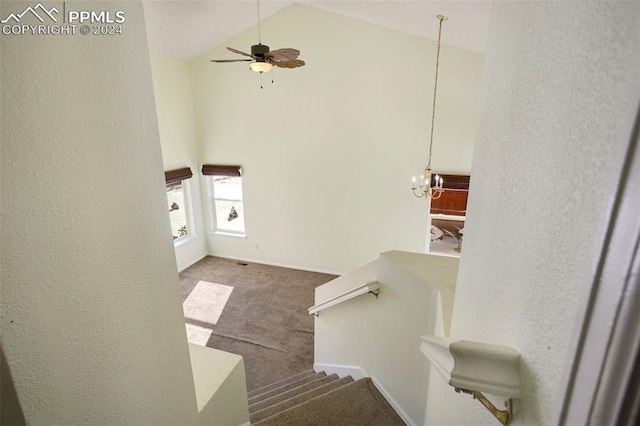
206 302
264 319
198 335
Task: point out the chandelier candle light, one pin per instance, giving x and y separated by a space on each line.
429 187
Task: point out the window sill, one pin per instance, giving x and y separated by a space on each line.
183 240
441 216
229 234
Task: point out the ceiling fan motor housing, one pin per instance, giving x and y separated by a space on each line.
259 50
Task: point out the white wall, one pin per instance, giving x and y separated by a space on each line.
91 323
221 386
329 149
559 97
174 105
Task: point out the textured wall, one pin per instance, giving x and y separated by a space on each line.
559 96
329 149
91 321
174 105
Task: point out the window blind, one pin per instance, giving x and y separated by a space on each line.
178 175
221 170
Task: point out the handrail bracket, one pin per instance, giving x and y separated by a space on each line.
503 416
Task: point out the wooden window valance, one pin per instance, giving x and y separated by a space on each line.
178 175
221 170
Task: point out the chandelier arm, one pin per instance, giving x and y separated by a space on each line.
427 192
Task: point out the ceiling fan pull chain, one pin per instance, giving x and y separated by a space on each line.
261 81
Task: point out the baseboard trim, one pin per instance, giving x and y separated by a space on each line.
405 417
193 263
280 265
341 370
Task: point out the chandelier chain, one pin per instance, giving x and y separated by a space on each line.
425 188
435 91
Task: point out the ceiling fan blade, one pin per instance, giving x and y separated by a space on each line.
283 55
231 60
295 63
231 49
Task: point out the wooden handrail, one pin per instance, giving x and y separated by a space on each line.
372 287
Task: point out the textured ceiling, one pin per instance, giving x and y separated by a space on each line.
189 28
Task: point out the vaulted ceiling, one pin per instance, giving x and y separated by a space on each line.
188 28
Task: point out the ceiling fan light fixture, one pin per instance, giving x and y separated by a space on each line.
262 59
260 66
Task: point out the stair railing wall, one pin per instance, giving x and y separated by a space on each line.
381 335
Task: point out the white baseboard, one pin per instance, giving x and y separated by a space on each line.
193 263
405 417
281 265
341 370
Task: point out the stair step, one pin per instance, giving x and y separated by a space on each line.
286 387
259 413
356 404
286 394
280 383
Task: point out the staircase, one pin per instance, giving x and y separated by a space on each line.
311 398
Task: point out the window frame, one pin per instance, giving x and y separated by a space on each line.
211 172
181 177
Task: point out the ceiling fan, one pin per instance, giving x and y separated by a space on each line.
263 59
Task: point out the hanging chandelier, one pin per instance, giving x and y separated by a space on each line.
429 185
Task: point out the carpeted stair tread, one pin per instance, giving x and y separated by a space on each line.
296 399
282 382
286 387
307 386
356 404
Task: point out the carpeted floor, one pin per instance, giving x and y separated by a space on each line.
265 317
